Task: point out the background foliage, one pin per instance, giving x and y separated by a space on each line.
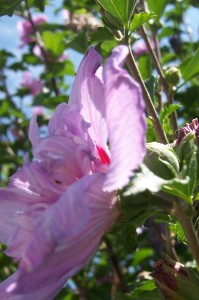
122 267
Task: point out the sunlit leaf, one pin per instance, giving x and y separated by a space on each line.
120 9
141 18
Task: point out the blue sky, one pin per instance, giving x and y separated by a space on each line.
9 39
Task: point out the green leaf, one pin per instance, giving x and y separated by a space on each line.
106 47
179 187
79 43
190 67
141 255
178 230
142 290
145 66
125 235
120 9
40 4
144 180
100 35
141 18
168 110
8 7
157 7
4 106
63 68
54 42
150 85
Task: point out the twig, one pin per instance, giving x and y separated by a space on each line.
190 233
170 244
41 45
83 293
162 78
115 263
131 64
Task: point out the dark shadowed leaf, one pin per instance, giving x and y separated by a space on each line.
8 7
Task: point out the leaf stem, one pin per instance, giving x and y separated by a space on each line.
190 233
115 263
163 81
131 64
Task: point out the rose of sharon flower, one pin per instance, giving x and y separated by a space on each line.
33 85
58 207
193 127
37 51
26 31
140 47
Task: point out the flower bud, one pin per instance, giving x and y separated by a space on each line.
173 76
184 131
161 160
174 280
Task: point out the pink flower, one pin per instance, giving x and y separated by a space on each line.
58 207
26 32
33 85
193 127
66 15
38 53
38 110
140 47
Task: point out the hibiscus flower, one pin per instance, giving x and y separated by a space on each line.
58 206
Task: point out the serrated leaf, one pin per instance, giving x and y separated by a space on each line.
120 9
141 18
190 67
144 180
168 110
8 7
147 180
178 230
178 187
157 7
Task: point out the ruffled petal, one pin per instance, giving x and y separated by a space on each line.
88 92
126 121
33 134
66 237
34 178
13 205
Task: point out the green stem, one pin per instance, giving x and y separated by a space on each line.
115 263
131 64
163 81
190 233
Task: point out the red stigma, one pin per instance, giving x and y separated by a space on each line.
104 158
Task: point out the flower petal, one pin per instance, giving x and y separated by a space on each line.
33 134
88 91
126 121
66 237
13 203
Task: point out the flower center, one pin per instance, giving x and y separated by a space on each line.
104 158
